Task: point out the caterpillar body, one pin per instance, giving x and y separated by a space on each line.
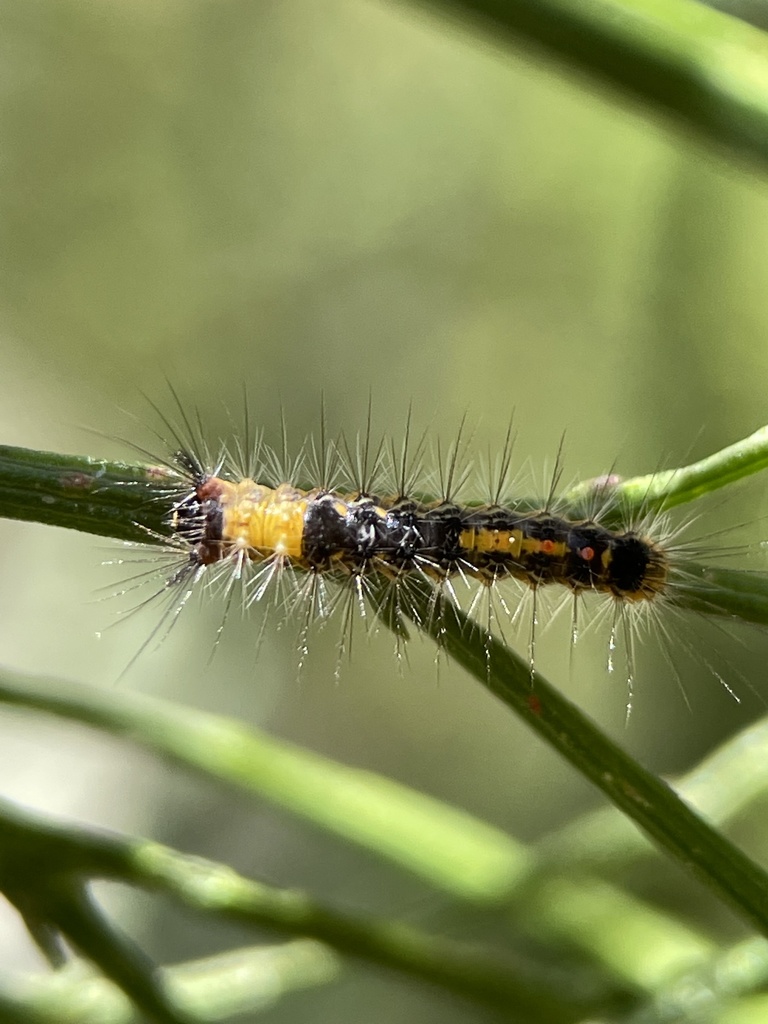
335 527
356 535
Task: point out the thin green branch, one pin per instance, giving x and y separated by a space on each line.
16 1010
740 594
69 906
448 848
54 860
251 979
111 499
705 68
481 975
245 980
636 941
646 799
714 991
667 488
49 895
722 787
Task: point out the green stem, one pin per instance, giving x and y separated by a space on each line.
442 844
646 799
722 787
71 907
667 488
111 499
33 879
707 69
18 1011
482 975
448 848
52 858
734 593
251 979
234 983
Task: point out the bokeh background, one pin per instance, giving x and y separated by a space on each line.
345 198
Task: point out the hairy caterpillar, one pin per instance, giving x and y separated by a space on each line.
336 526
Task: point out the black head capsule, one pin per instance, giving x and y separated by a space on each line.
638 568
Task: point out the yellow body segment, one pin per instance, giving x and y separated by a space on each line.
264 520
486 540
482 541
553 549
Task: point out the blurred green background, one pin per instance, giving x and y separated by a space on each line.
349 197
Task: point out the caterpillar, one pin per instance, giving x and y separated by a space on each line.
336 525
355 535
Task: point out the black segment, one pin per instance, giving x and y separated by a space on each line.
357 536
632 557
